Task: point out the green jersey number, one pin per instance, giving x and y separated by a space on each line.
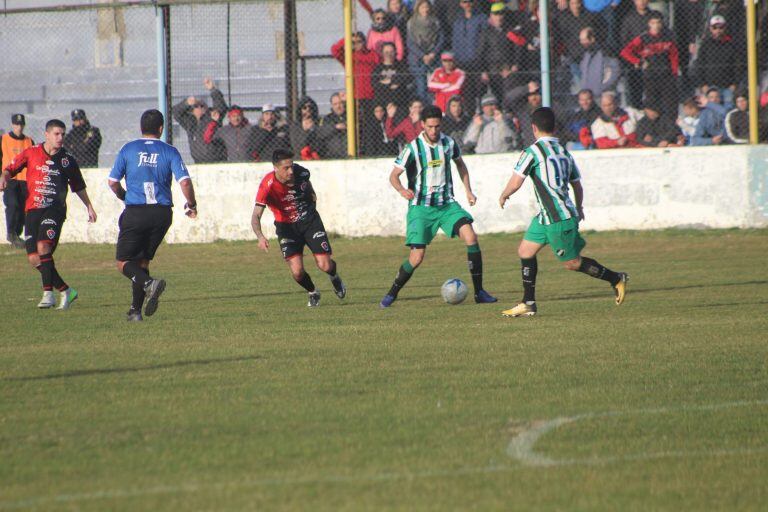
558 170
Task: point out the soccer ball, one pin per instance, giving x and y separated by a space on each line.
454 291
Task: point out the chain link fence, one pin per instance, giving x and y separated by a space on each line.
624 73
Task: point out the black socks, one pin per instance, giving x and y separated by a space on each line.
594 269
306 282
475 264
49 274
530 267
403 275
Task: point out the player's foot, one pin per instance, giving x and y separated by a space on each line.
338 287
483 297
153 289
521 309
387 301
134 315
48 300
314 299
68 296
620 288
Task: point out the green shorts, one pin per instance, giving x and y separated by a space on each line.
424 221
563 236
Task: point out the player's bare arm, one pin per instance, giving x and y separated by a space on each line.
117 189
578 197
83 195
461 167
514 184
189 194
258 211
394 180
4 177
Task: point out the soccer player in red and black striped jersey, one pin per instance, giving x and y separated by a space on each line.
50 170
290 197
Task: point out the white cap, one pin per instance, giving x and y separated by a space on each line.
267 107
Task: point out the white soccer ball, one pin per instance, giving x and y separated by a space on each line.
454 291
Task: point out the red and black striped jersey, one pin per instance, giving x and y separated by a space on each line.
289 202
47 176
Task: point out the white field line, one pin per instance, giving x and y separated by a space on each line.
520 448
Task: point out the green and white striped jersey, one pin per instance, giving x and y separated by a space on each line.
551 168
428 168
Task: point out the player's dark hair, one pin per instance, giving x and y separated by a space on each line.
656 15
55 123
279 155
431 112
586 91
152 122
543 118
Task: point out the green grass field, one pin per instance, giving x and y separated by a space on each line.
236 396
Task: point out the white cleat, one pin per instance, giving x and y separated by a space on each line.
314 299
68 296
48 300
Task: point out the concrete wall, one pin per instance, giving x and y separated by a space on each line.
624 189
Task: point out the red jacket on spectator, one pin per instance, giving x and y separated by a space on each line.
659 51
377 39
607 131
446 85
406 129
364 62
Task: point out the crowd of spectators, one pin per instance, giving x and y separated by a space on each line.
625 73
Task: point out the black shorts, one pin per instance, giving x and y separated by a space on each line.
142 229
43 225
310 232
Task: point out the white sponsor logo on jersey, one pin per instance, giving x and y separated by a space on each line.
148 159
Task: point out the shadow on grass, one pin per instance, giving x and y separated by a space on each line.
634 291
132 369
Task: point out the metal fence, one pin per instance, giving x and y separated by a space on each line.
687 67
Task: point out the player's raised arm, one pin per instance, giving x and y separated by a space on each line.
461 167
394 180
258 211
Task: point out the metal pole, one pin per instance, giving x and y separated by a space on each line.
229 59
162 78
289 28
546 95
349 81
752 64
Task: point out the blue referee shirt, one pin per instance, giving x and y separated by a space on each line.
147 166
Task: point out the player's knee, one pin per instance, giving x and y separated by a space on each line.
574 264
324 264
34 260
415 258
297 273
120 264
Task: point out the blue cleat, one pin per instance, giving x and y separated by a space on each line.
387 301
483 297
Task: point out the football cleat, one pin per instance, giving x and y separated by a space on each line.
521 309
153 289
134 316
314 299
483 297
620 288
338 287
48 300
68 296
387 301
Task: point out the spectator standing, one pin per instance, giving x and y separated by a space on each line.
333 130
193 116
654 52
488 132
364 61
718 61
499 56
635 22
83 140
376 142
607 11
383 30
465 42
568 25
455 121
688 16
614 127
598 71
446 81
390 79
523 119
524 34
15 194
270 135
447 12
304 132
400 14
237 136
425 42
410 127
737 120
655 130
577 131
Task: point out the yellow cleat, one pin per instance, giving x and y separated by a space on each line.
621 288
521 309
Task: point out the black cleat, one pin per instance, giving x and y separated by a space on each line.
134 316
338 287
153 289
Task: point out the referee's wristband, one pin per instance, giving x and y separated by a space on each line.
188 206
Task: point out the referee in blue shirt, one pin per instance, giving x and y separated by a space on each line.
147 165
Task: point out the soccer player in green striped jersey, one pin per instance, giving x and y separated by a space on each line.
428 161
552 169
